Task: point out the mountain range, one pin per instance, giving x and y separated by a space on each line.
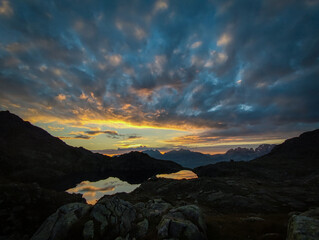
294 159
191 159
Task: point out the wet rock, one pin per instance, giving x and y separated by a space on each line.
304 226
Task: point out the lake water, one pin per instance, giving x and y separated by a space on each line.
93 191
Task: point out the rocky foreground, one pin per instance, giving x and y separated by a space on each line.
113 218
206 208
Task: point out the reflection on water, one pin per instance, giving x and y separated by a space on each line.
184 174
93 191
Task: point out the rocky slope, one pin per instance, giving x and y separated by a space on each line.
230 208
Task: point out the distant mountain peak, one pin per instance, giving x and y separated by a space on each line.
151 151
184 150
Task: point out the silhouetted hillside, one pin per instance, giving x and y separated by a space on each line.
30 154
296 157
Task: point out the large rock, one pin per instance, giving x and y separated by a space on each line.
304 226
184 222
58 224
156 207
114 215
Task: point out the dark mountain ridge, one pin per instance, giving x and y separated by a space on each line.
296 157
30 154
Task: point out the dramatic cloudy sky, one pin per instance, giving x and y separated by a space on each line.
162 74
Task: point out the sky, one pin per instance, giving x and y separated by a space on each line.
132 75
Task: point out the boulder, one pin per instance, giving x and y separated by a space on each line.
304 226
58 224
184 222
115 213
156 207
192 213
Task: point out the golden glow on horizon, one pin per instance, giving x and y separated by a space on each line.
115 123
150 135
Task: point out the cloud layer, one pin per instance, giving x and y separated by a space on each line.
231 68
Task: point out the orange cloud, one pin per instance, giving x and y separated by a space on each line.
61 97
224 39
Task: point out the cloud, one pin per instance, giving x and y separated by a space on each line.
224 39
52 128
109 133
93 133
61 97
196 44
114 60
133 137
97 189
160 5
80 136
5 8
218 66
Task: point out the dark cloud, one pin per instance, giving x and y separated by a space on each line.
80 136
134 137
233 67
96 189
109 133
92 133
